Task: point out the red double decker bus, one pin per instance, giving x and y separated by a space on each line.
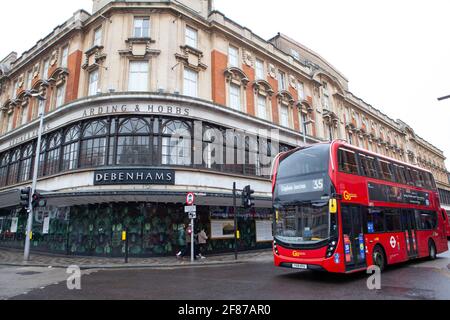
342 209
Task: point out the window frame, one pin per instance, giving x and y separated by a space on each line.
142 34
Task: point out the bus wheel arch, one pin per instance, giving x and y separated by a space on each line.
432 253
379 257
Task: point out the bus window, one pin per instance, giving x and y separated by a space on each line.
417 178
408 177
428 180
386 170
375 221
426 220
347 161
393 220
368 167
399 172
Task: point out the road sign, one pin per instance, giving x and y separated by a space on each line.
189 209
190 199
192 215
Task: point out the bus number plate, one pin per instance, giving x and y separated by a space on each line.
300 266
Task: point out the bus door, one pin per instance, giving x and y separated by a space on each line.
409 227
353 233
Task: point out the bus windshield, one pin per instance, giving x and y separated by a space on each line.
302 191
303 223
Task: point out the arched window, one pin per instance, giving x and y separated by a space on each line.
25 163
213 148
4 161
93 145
252 164
70 148
176 144
134 143
41 168
13 172
53 154
235 152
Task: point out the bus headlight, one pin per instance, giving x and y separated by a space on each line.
331 248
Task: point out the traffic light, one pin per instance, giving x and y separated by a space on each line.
37 201
25 198
248 201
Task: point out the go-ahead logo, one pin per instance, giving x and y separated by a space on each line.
349 196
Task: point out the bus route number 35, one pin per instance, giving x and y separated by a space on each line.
318 184
246 310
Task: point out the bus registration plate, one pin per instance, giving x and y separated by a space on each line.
299 266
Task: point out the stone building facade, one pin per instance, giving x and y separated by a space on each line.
118 81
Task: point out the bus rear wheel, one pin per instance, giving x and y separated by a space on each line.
379 259
431 250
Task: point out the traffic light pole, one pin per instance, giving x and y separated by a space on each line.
26 254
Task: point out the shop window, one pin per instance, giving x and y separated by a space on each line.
4 161
26 163
70 148
13 171
93 145
134 143
176 144
53 155
213 148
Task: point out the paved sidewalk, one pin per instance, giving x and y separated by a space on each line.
12 257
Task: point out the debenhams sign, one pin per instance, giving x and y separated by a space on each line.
134 176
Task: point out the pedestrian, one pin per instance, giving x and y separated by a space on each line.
187 249
202 239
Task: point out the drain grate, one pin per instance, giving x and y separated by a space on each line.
28 273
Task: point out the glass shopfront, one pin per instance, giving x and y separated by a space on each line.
152 141
153 229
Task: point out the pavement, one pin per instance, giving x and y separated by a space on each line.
14 258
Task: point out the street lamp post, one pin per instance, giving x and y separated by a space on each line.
35 175
444 98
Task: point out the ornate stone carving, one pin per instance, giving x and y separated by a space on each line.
248 58
272 71
94 57
237 76
192 58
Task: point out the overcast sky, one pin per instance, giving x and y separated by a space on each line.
396 54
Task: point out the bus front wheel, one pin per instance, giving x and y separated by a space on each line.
379 259
431 250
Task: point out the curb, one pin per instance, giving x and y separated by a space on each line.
134 266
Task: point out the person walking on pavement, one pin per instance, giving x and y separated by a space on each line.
202 239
